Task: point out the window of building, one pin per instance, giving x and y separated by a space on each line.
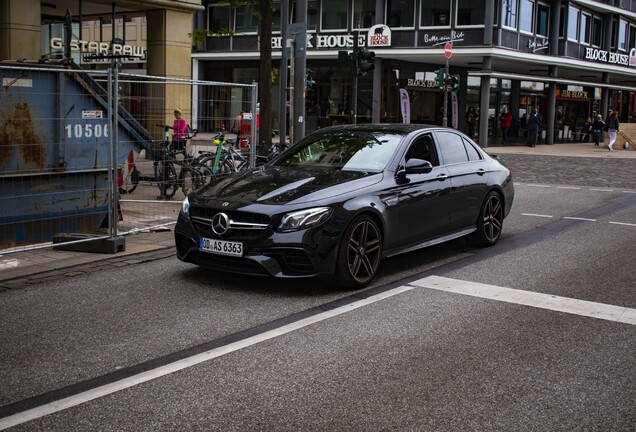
246 20
400 13
363 13
435 13
218 17
597 31
562 22
584 28
573 23
509 13
471 12
312 13
526 16
622 35
543 19
334 15
632 36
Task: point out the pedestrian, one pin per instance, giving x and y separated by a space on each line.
505 118
612 128
471 119
597 129
179 131
534 124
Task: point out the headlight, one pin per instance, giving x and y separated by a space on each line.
304 219
185 208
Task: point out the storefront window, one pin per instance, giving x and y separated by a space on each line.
471 12
543 19
597 31
246 20
400 13
363 13
573 23
334 15
509 13
435 13
218 18
526 16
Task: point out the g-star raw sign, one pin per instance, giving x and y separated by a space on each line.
100 48
611 57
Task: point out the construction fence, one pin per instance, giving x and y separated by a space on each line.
83 154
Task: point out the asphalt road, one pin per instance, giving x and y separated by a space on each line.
167 346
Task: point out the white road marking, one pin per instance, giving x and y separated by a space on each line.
527 298
629 191
602 190
578 218
540 186
536 215
185 363
569 187
622 223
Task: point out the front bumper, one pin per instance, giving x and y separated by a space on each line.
300 254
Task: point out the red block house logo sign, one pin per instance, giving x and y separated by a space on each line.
379 36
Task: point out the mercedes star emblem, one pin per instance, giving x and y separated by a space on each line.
220 223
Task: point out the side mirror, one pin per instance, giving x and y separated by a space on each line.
418 166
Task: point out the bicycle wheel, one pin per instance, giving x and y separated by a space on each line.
130 181
168 183
226 166
190 180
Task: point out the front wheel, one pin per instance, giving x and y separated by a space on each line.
130 182
359 253
490 222
167 178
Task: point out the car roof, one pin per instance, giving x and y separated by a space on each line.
392 128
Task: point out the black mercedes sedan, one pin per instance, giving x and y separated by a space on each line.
338 201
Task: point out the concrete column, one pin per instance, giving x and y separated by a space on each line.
550 115
20 29
169 55
484 104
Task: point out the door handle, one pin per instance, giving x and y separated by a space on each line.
481 171
442 177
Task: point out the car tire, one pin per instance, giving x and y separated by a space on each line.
359 254
490 222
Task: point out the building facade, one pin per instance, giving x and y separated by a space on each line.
572 59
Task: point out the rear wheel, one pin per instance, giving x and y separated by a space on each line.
359 253
167 178
490 222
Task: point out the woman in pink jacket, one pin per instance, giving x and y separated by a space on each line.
180 131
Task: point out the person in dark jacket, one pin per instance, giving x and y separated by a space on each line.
612 128
597 129
534 124
505 119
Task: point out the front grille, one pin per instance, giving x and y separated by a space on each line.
227 264
244 225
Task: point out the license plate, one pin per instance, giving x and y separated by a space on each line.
221 247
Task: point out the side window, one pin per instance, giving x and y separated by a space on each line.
452 146
473 154
423 148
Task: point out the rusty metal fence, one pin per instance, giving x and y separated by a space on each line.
73 141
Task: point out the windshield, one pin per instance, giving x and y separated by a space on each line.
342 150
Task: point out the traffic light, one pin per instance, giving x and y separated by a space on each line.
454 82
365 61
440 78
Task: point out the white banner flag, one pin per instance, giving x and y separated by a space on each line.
405 105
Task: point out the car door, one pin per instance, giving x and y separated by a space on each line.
423 199
468 178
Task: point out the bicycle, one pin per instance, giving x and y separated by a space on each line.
192 175
222 161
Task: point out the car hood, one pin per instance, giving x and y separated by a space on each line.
275 185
